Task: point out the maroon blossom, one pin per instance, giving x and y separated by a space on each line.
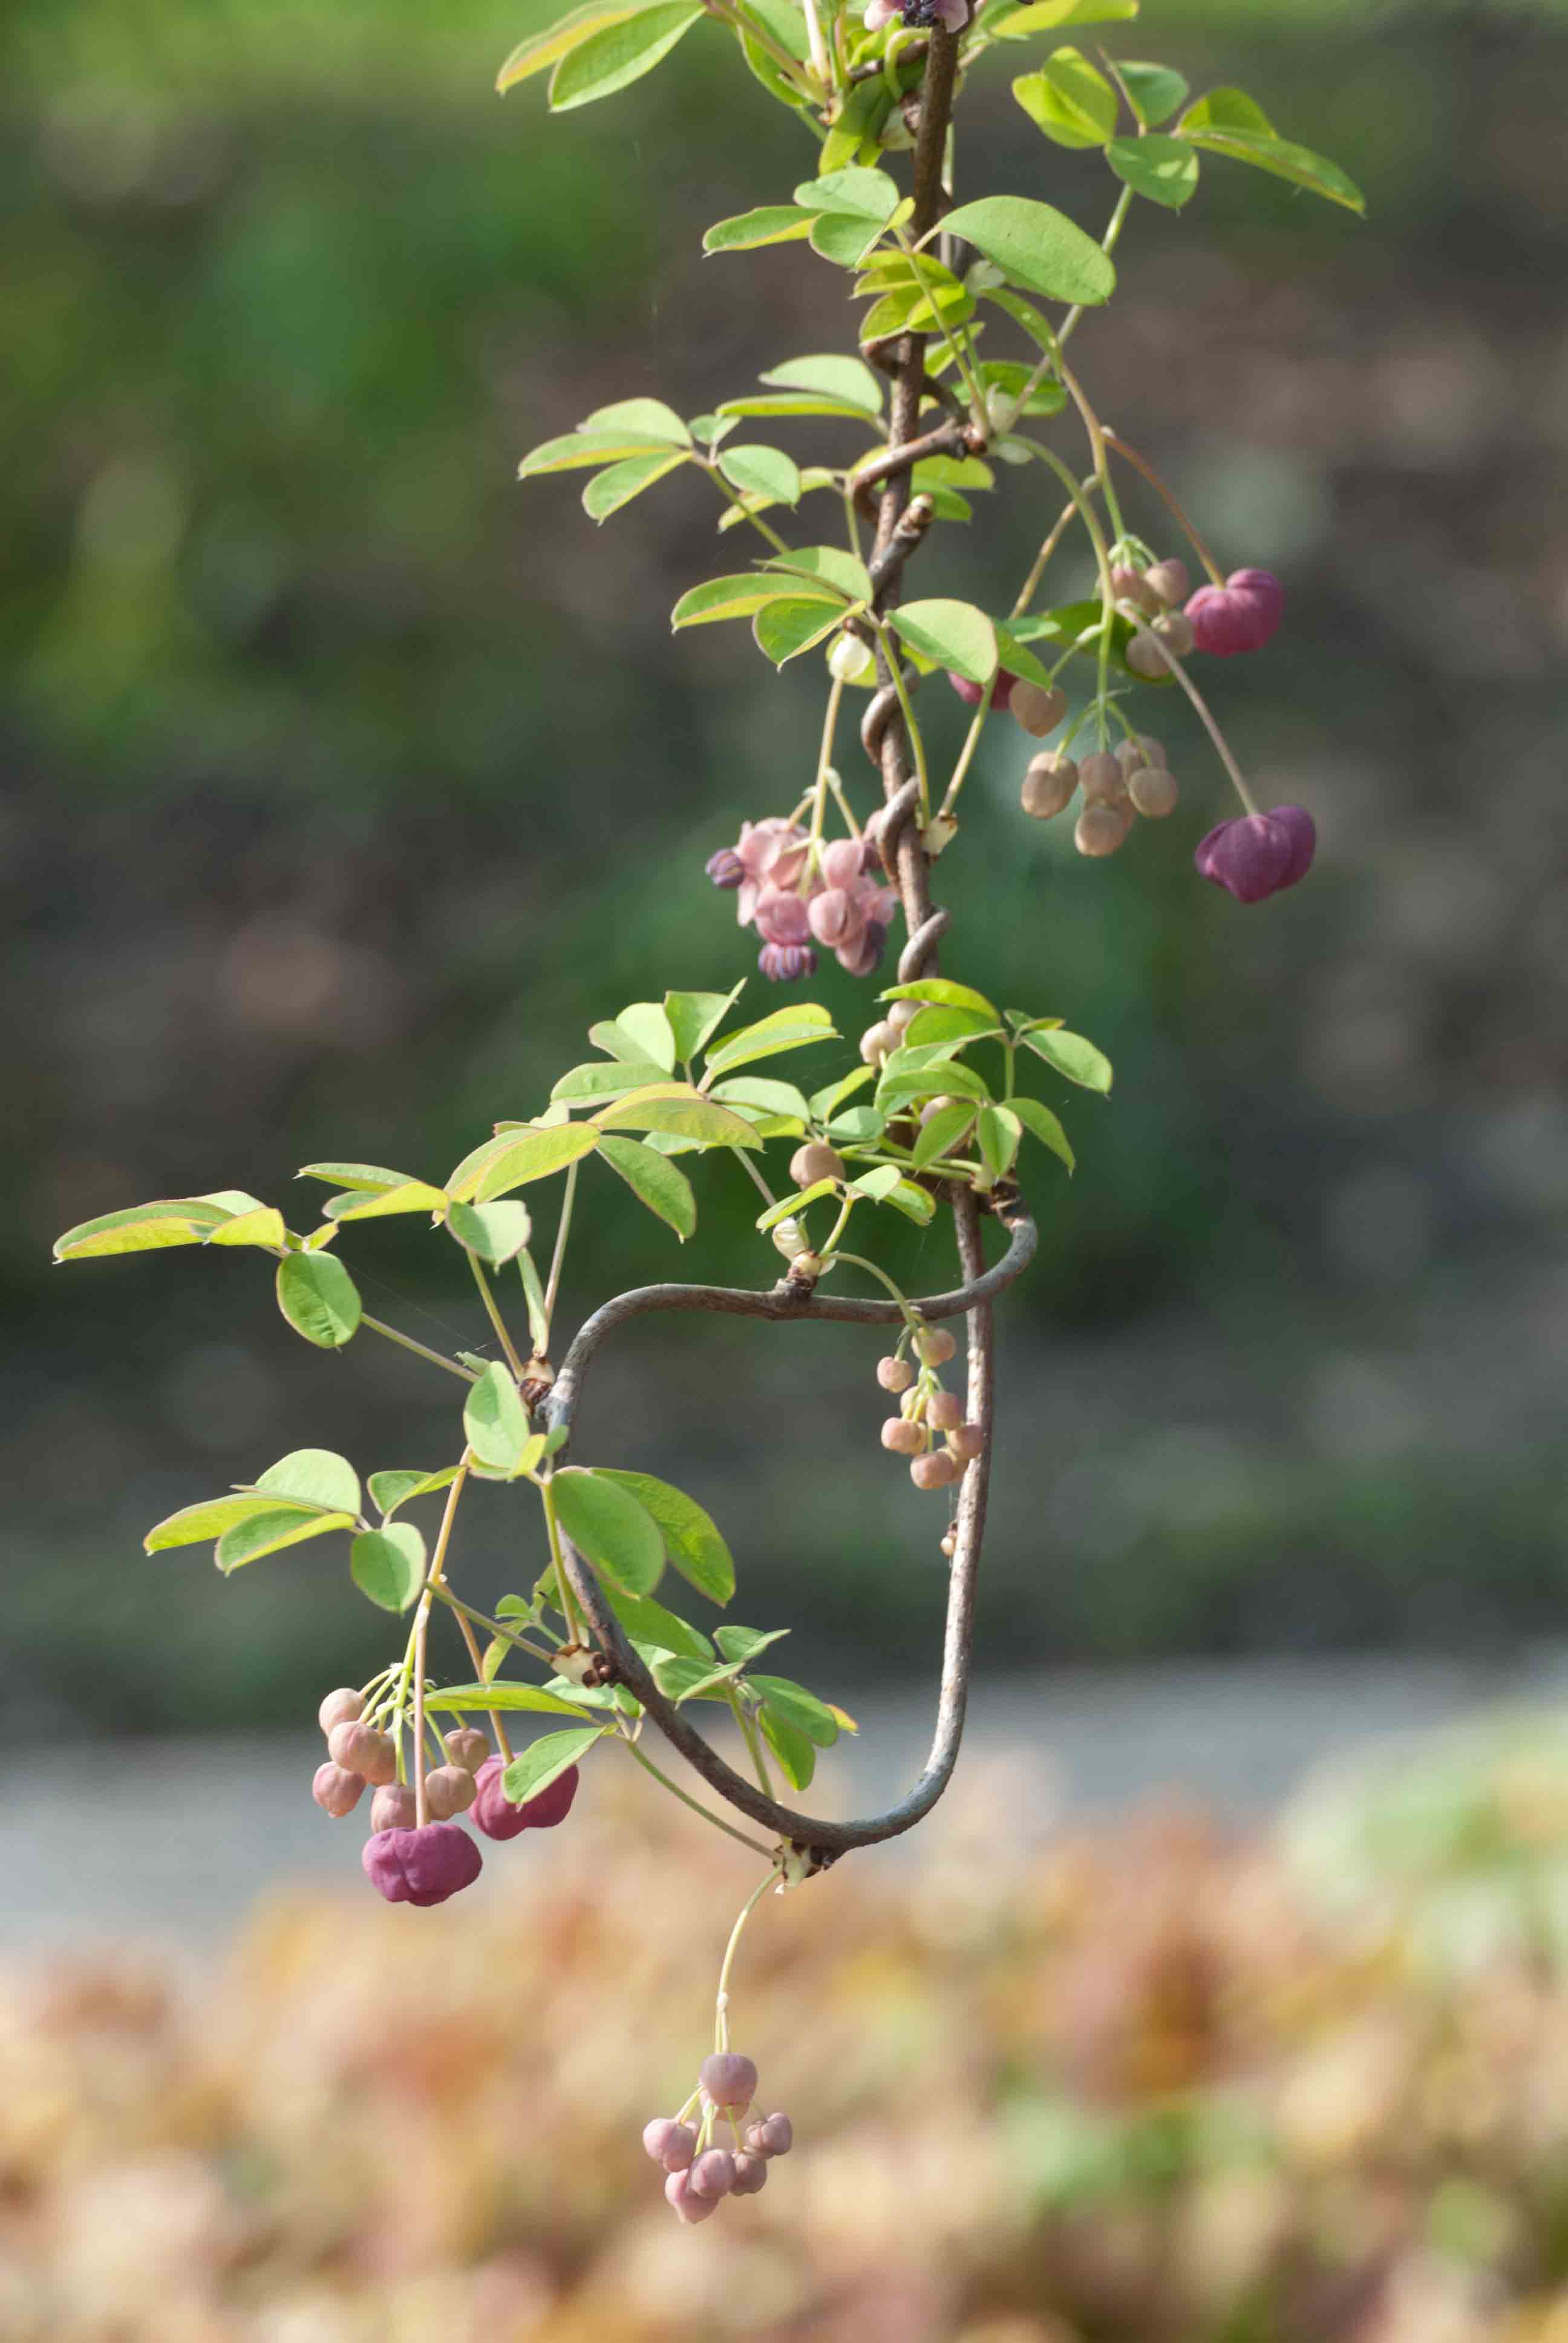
786 963
421 1866
494 1813
1242 615
971 694
1258 854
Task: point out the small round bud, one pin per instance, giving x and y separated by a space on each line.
467 1747
937 1471
944 1411
728 2079
363 1751
1142 749
1048 785
815 1162
1100 830
1038 707
344 1706
394 1807
1177 632
337 1792
751 2175
1145 659
421 1866
935 1345
1170 581
902 1015
1154 792
806 1264
966 1440
774 2136
683 2201
1101 778
1131 587
669 2143
950 1542
788 1237
713 2174
895 1374
877 1042
847 659
449 1790
903 1438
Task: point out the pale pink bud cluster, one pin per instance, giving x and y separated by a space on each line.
929 1414
702 2168
798 897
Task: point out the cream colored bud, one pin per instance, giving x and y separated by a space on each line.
1154 792
877 1042
449 1790
935 1345
902 1437
1176 631
1048 785
1102 779
1170 581
895 1374
788 1237
848 659
1100 830
1038 709
944 1411
808 1265
815 1162
1145 659
966 1440
937 1471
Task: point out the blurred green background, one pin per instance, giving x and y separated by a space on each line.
345 780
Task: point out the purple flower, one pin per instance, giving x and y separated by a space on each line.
838 919
1242 615
861 958
786 963
782 917
725 869
421 1866
1258 854
494 1813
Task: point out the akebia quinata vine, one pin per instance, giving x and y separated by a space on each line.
942 1108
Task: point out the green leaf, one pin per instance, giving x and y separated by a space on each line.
388 1565
1071 1055
943 1134
843 237
543 49
647 1622
650 415
598 1080
998 1132
798 1707
1229 110
779 403
201 1525
271 1532
913 1202
314 1476
943 990
784 629
140 1228
743 1643
1277 155
877 1185
858 1126
263 1227
855 195
605 1521
796 1755
849 380
824 1101
495 1420
781 1102
828 565
1154 91
621 54
512 1158
393 1488
739 598
534 1300
1036 245
1019 661
608 491
1071 100
496 1232
695 1017
1039 1121
318 1298
1163 169
691 1538
947 1079
537 1765
385 1203
681 1679
954 634
770 224
761 471
681 1112
788 1206
654 1181
466 1700
1054 15
933 1026
647 1028
578 450
354 1175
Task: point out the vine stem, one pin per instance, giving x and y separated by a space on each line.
1043 559
497 1320
422 1630
1142 464
677 1791
557 1258
721 1999
421 1350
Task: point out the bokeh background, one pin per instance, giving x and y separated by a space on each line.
345 782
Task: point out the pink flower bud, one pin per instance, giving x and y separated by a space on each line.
944 1411
895 1374
937 1471
1242 615
1048 786
421 1866
842 863
449 1790
394 1807
360 1749
1130 586
344 1706
713 2174
685 2204
467 1747
902 1437
775 2136
336 1792
1101 829
966 1440
728 2079
881 13
935 1345
836 919
1170 581
862 959
751 2175
1258 854
781 917
669 2143
786 963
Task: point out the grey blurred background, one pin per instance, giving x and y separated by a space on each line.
345 782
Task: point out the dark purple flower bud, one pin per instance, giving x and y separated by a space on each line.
785 963
862 958
725 869
971 694
1242 615
728 2079
421 1866
1258 854
494 1813
781 917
